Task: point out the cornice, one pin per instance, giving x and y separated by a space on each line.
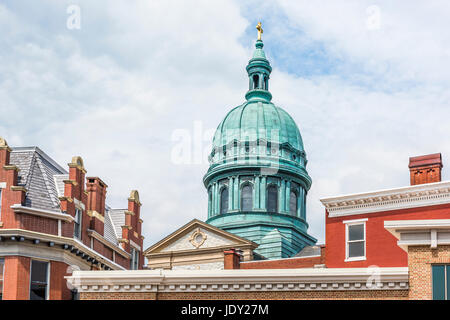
42 213
390 199
100 238
68 242
331 279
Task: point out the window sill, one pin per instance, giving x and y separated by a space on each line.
355 259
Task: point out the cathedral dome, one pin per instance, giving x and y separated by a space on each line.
257 181
255 121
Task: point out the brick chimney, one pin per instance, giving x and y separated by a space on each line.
425 169
231 259
96 189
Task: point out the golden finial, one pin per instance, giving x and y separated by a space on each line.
260 30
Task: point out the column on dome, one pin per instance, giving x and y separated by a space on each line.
282 196
287 196
230 193
257 187
303 213
236 193
263 192
216 199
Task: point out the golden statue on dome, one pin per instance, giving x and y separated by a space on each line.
260 30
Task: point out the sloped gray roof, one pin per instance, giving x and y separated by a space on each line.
43 178
309 251
118 220
59 178
36 174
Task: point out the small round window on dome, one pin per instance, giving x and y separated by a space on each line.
294 157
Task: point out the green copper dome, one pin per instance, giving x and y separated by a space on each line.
254 120
257 181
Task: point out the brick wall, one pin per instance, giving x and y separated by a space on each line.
420 260
118 296
261 295
16 284
58 285
381 246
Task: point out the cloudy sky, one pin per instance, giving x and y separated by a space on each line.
366 81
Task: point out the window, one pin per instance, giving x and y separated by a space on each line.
39 280
77 224
224 200
355 236
134 259
293 200
255 81
441 282
2 268
247 198
0 204
272 199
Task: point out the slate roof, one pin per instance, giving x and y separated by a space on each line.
117 217
36 175
309 251
43 178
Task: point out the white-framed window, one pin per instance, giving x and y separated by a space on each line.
355 240
134 265
39 280
2 271
77 223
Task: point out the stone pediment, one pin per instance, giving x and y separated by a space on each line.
197 236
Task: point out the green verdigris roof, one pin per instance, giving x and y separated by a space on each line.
255 120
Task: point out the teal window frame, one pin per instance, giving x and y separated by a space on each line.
440 277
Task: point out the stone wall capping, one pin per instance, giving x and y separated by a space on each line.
240 280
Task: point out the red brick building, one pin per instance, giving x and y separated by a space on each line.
55 220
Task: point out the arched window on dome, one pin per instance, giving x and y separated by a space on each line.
272 198
247 198
266 83
255 81
293 203
224 200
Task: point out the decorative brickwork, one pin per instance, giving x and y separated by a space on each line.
265 295
420 260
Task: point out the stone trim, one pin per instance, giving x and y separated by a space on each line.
420 232
42 213
44 237
333 279
390 199
18 188
100 238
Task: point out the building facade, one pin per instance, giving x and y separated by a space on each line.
54 221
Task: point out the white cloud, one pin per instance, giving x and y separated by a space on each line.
115 90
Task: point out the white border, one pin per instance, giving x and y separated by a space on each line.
353 223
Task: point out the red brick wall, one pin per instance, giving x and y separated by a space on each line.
381 246
38 224
16 285
283 263
58 286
